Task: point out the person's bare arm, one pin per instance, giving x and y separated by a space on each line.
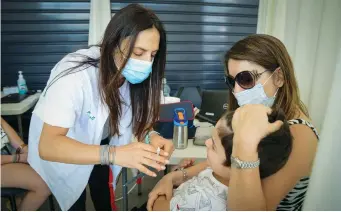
165 186
9 159
13 136
161 204
177 176
6 159
299 165
55 146
248 192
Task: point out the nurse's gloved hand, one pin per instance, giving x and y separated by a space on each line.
139 155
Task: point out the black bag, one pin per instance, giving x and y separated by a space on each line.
165 125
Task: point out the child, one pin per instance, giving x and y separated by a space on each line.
208 191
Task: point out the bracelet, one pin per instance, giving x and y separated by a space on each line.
184 174
108 154
104 154
18 150
14 158
147 138
21 147
18 158
101 154
113 154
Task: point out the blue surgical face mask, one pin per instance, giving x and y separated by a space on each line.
136 71
255 95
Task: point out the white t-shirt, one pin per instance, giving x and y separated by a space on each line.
201 193
74 102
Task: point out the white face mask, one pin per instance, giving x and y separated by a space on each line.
255 95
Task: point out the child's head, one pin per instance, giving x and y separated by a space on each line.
273 150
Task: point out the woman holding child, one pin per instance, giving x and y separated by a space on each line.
260 74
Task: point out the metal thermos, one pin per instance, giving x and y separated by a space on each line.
180 133
180 137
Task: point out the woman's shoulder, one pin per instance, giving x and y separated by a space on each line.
92 52
73 69
75 59
302 126
305 140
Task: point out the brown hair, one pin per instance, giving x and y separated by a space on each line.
145 96
270 53
273 150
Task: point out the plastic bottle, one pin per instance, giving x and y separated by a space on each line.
165 88
22 84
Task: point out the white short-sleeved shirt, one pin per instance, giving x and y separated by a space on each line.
201 193
74 102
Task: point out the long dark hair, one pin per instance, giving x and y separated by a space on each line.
145 96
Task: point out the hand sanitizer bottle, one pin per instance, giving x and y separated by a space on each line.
165 87
22 84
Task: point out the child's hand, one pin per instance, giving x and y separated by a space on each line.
184 163
163 187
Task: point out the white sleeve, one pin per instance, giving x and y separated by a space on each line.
61 100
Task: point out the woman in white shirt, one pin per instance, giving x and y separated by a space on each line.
118 81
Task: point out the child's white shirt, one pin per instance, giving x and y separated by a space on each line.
201 193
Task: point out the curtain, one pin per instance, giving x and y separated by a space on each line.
310 29
100 16
324 191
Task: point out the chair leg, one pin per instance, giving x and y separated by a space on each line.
13 203
51 203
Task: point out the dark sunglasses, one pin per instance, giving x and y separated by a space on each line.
245 79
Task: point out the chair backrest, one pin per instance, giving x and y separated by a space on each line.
192 94
5 192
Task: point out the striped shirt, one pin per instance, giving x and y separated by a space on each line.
293 201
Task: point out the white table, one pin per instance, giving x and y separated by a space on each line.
17 109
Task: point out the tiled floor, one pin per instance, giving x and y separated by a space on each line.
133 200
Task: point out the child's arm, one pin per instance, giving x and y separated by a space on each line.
171 179
177 176
161 204
13 137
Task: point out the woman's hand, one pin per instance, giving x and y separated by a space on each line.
165 144
250 124
139 155
163 187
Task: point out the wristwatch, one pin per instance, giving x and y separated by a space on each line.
239 164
